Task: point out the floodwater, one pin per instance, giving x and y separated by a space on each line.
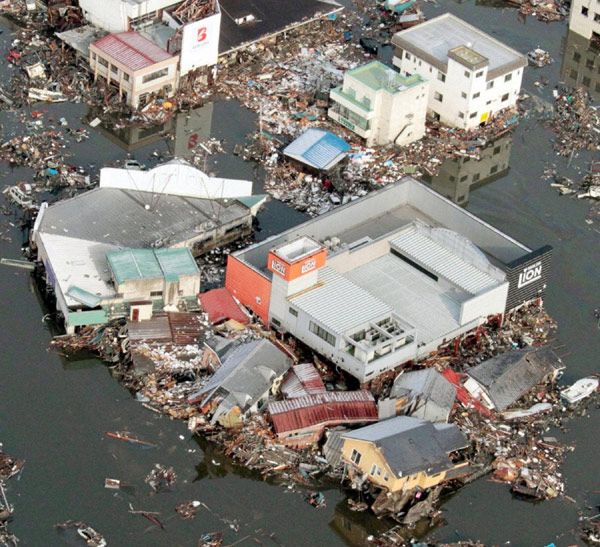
54 413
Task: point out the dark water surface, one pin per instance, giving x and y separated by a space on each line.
53 412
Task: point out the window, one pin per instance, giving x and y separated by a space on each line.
463 178
114 69
93 56
479 74
598 87
407 55
494 169
584 11
355 456
475 95
490 85
473 115
488 102
496 150
125 76
155 75
367 102
463 94
574 74
586 81
321 333
597 17
438 96
476 177
508 77
379 471
155 293
441 76
351 92
467 74
589 63
505 97
102 61
576 57
461 115
293 312
276 322
386 477
373 468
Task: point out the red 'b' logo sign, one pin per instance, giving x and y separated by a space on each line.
201 34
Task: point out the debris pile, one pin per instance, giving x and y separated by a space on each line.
160 477
539 58
543 10
187 510
85 531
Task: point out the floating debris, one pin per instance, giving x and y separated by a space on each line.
161 476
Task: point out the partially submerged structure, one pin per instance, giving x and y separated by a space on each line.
386 279
404 453
301 421
148 220
471 75
504 379
242 384
380 105
317 149
424 394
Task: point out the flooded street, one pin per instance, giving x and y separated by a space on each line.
54 412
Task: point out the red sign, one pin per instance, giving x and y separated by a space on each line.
201 34
192 141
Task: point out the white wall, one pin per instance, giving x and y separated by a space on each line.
490 302
200 43
584 24
112 15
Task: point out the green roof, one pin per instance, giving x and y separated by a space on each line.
146 263
80 318
378 76
85 297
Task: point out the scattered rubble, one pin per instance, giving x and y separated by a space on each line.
187 510
9 467
539 58
543 10
160 477
84 531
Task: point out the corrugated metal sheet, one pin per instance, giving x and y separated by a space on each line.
432 255
317 148
176 261
304 379
220 306
133 264
323 409
172 328
338 303
132 50
82 296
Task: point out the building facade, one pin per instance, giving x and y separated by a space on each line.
581 63
584 19
380 105
138 68
472 76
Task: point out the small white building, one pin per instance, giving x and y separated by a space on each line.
380 105
585 18
472 76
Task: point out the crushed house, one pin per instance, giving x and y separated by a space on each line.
242 384
135 65
216 349
140 212
386 279
301 421
424 394
317 149
380 105
403 453
302 379
504 379
471 75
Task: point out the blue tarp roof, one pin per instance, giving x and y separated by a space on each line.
317 148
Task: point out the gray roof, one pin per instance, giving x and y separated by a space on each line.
510 375
332 449
246 374
221 346
411 445
119 217
430 385
437 36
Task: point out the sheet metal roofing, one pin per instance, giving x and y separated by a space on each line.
220 306
411 445
322 409
441 34
172 328
378 76
317 148
133 264
429 384
442 261
510 375
132 50
338 303
303 379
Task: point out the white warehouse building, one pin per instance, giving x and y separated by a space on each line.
472 76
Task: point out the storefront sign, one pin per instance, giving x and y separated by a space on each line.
278 267
530 274
308 266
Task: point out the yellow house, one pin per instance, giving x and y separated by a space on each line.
404 452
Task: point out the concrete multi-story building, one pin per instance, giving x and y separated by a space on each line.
584 19
472 76
380 105
137 66
581 63
386 279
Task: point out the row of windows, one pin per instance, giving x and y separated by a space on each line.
585 12
114 70
321 333
589 62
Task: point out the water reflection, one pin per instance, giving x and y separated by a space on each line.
186 129
459 176
581 64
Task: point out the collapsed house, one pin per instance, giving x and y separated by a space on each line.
301 421
242 384
423 394
404 453
386 279
302 379
504 379
149 223
318 150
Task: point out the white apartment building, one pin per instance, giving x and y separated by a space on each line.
380 105
472 76
585 19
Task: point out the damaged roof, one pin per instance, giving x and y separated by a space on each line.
411 445
220 306
132 50
317 148
303 379
508 376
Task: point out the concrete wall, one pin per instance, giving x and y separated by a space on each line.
585 18
474 109
490 302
